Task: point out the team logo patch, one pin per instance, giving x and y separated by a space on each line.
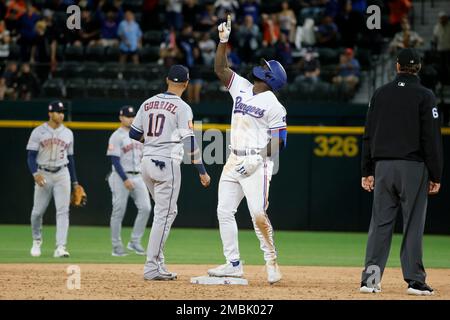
243 108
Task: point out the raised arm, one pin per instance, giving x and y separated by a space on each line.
221 67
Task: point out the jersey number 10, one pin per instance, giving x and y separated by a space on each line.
155 124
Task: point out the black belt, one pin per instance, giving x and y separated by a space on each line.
247 152
133 172
53 170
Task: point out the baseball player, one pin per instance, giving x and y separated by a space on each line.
258 133
164 124
125 180
51 162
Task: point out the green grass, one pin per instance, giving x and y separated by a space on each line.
203 246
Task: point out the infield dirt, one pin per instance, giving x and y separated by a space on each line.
125 281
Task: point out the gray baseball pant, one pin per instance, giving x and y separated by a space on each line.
163 182
398 184
120 196
58 186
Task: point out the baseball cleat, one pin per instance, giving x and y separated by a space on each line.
119 251
161 277
136 247
227 270
365 288
163 270
419 289
273 272
61 252
36 249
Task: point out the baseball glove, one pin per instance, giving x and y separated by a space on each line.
79 196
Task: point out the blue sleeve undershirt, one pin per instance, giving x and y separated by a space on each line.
118 167
31 161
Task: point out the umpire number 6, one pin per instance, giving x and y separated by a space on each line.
155 124
435 113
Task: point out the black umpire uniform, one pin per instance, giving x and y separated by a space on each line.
402 150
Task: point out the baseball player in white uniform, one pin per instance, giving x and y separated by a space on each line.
164 124
258 132
126 180
51 162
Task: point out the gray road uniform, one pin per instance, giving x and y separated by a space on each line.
53 147
130 153
164 120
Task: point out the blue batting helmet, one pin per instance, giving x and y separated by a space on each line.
274 76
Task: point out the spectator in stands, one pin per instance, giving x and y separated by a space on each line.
248 39
348 71
192 58
309 68
250 7
43 50
327 33
208 49
191 12
271 29
5 39
332 7
2 9
288 21
174 16
398 10
406 38
27 83
28 32
441 35
8 82
169 53
310 8
57 5
284 50
233 58
14 11
150 15
130 38
208 19
225 7
90 30
350 23
109 27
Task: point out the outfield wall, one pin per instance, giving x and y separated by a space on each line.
316 188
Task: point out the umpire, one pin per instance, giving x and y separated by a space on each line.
402 163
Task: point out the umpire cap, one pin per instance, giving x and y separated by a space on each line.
127 111
408 57
56 106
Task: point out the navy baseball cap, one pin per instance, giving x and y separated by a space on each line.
56 106
178 73
127 111
408 57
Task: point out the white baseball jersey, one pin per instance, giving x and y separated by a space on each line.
253 115
129 150
53 145
164 120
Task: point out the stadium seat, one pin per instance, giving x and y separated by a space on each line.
149 54
112 54
95 53
117 89
53 88
75 88
74 53
153 37
98 87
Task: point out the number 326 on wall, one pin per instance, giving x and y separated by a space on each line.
336 146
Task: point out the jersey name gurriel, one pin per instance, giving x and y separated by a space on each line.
160 105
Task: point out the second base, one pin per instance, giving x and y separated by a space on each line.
218 280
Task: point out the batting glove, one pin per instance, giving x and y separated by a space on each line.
249 165
225 30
